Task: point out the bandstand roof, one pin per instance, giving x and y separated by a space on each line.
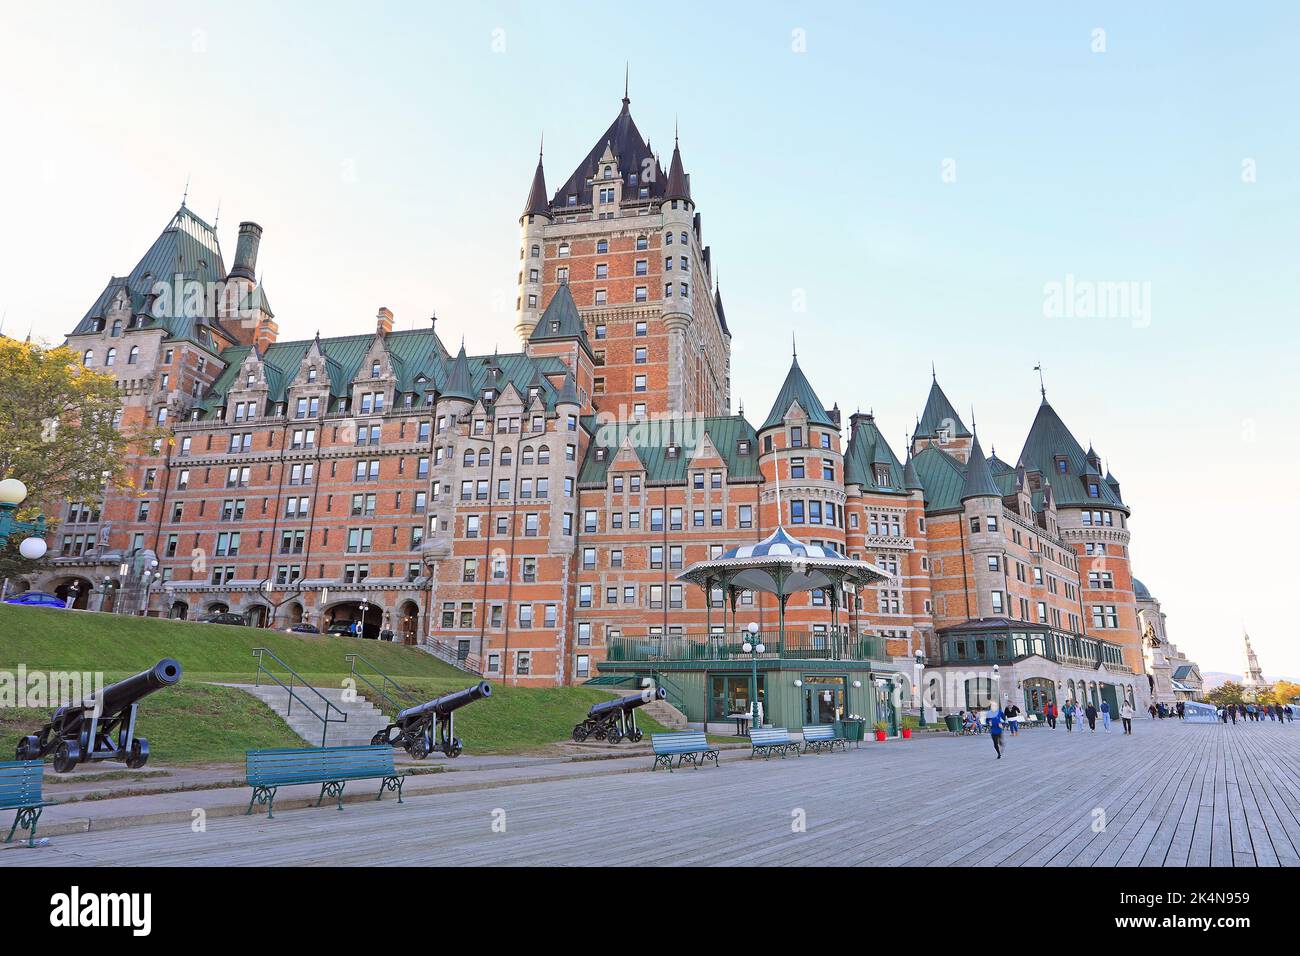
781 564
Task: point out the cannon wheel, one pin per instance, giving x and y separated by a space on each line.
418 749
139 754
635 736
579 733
67 756
456 748
29 748
614 735
379 738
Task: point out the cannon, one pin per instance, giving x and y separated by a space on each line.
412 729
102 727
614 720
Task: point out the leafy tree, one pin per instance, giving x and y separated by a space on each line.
58 433
1229 692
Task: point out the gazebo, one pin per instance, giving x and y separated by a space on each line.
781 565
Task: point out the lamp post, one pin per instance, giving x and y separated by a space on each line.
997 686
152 575
920 693
12 493
753 647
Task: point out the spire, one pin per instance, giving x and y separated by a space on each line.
568 392
796 388
939 415
719 311
910 481
536 204
677 188
458 382
979 479
1042 385
626 71
186 195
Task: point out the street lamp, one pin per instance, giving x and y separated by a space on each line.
920 694
12 493
753 647
997 686
150 577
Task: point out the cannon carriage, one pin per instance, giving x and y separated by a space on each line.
101 727
615 720
413 728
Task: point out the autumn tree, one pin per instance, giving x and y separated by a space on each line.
1229 692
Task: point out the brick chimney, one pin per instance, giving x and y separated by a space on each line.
265 335
383 321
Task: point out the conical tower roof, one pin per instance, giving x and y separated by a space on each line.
536 204
979 479
796 388
939 415
459 383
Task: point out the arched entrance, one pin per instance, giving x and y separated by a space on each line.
257 615
408 623
292 614
348 611
1039 692
77 588
216 607
179 611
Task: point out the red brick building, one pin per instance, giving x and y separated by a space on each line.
526 512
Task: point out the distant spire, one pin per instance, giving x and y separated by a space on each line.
186 195
217 221
626 72
934 376
1042 385
794 348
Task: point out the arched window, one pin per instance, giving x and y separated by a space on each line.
564 248
88 357
133 356
684 239
469 457
117 328
485 456
543 455
506 457
536 251
526 456
111 357
311 373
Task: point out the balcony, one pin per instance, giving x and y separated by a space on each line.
798 645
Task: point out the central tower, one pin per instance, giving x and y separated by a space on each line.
626 238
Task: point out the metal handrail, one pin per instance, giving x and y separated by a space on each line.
393 703
326 720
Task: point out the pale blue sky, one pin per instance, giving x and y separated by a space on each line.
386 149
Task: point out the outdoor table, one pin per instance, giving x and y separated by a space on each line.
742 724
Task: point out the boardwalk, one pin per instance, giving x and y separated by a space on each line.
1172 795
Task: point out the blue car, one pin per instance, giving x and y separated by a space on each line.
37 599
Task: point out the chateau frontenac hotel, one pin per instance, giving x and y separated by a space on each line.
527 515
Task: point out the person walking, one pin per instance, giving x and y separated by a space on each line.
995 721
1232 712
1069 716
1105 716
1126 715
1152 711
1091 713
1050 713
1013 719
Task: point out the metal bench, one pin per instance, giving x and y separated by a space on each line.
687 745
772 739
20 789
331 767
821 737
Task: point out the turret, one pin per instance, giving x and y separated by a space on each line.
532 256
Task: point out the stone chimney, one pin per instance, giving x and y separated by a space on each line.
265 335
383 322
245 267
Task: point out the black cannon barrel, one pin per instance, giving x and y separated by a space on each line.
627 703
118 696
445 704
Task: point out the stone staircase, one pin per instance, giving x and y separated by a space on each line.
666 714
364 720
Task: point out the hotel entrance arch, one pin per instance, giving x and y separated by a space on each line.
1039 692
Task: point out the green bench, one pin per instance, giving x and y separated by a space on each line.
774 739
20 789
331 767
821 737
686 745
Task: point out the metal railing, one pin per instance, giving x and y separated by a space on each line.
454 655
796 645
261 653
390 702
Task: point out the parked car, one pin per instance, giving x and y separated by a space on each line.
223 617
340 629
37 599
302 628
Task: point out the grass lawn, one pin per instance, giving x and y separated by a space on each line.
196 722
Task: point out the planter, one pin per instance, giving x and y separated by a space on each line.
852 730
907 733
880 736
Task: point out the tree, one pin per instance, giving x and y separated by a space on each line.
1282 692
1229 692
58 428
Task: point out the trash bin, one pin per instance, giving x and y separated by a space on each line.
953 723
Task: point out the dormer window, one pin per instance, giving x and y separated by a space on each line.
489 394
742 448
609 172
117 328
1063 465
311 374
673 451
555 326
882 476
248 382
601 454
572 200
631 179
1093 490
374 370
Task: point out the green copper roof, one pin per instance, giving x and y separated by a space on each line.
940 415
979 480
458 383
867 450
650 440
561 319
796 388
942 476
1049 443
